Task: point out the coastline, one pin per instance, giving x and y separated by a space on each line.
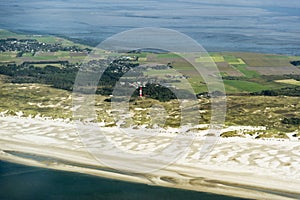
241 167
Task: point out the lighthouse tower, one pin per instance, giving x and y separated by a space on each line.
141 91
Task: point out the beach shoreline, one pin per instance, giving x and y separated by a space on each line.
240 167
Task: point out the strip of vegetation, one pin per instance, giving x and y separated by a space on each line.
64 77
295 63
292 121
288 91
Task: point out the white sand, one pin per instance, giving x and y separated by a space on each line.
236 166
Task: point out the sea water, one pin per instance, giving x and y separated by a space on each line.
33 183
252 26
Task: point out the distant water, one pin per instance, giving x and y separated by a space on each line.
271 26
19 182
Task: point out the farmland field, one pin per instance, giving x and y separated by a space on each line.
289 81
275 70
262 60
246 71
7 56
243 86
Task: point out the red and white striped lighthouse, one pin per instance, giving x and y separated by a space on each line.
141 91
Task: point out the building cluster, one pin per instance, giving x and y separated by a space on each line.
32 45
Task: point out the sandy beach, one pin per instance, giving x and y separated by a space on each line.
242 167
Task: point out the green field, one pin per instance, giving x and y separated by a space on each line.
243 69
230 65
261 60
289 81
168 55
7 56
243 86
40 56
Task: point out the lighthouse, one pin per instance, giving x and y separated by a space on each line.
141 91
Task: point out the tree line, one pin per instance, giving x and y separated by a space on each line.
64 77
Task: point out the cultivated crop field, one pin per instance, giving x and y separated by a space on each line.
240 66
262 60
289 81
